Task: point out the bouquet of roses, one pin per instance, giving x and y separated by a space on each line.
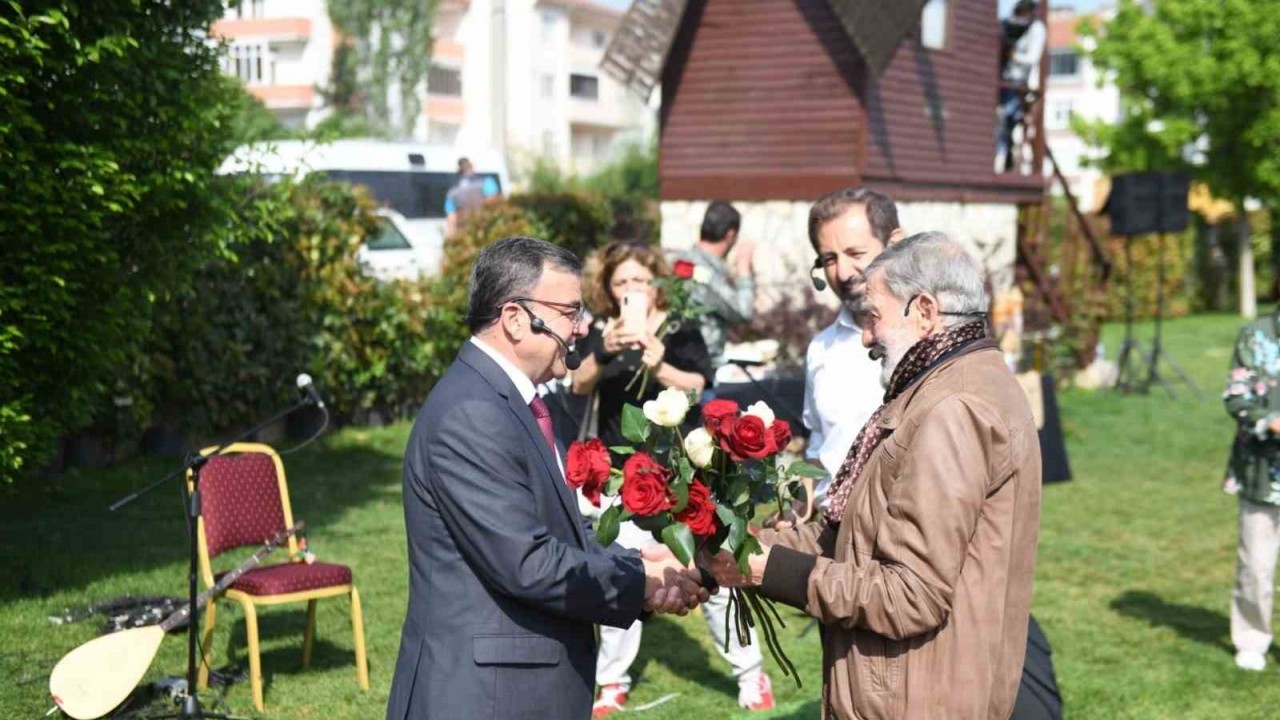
696 493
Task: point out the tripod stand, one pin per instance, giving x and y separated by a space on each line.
191 492
1129 376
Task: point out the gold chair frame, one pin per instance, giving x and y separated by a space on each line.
250 603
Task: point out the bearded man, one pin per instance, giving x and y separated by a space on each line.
921 568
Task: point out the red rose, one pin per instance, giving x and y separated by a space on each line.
587 467
645 491
781 430
716 412
700 513
683 269
749 438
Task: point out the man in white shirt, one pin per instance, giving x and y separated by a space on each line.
848 229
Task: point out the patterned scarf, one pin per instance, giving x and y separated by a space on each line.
920 358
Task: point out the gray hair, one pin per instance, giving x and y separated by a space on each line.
508 269
931 262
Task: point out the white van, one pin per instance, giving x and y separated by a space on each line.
408 180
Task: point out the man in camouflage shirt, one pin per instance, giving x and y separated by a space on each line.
1252 398
729 293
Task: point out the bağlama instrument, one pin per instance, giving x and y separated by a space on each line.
96 677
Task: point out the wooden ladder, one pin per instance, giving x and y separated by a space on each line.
1074 298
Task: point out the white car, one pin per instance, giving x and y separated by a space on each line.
397 252
409 180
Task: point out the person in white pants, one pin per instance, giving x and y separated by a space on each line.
1255 583
1252 398
618 647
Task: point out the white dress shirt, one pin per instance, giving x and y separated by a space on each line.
523 384
841 392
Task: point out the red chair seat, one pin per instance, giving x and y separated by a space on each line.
292 577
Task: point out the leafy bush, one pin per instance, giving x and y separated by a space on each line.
578 221
634 174
114 115
292 296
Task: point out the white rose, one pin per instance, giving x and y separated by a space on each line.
699 446
701 274
669 409
762 411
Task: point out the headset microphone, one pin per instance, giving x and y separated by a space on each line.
818 283
572 360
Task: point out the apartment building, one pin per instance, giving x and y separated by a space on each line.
519 76
282 51
1076 87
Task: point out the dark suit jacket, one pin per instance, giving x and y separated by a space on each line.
505 577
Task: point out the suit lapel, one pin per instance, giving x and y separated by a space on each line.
493 374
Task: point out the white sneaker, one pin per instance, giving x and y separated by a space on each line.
1251 661
755 692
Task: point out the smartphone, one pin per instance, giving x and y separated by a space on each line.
635 312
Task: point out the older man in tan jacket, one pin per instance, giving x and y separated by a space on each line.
920 570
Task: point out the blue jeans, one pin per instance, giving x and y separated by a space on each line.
1010 108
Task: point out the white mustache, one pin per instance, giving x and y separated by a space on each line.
878 353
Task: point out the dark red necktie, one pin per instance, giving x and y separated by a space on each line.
542 414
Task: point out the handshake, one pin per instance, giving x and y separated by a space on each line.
676 589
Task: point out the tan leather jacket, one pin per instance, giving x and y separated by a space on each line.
924 589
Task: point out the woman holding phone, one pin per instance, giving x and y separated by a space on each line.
624 338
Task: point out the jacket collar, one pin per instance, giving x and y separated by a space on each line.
477 359
893 412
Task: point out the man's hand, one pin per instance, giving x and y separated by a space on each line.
1274 426
726 571
669 586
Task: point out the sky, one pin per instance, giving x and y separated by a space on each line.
1079 5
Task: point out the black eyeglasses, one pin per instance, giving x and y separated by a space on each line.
906 311
573 311
864 316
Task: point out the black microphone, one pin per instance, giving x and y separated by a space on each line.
572 360
304 384
818 283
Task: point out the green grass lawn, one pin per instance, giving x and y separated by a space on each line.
1133 584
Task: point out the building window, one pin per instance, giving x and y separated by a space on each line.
1060 114
933 25
584 87
548 26
444 80
439 133
248 9
250 64
1064 63
599 146
548 86
599 39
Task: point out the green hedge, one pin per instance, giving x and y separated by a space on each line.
113 114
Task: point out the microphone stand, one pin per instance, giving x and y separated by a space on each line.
191 701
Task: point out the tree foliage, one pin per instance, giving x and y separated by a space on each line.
385 54
1200 87
113 115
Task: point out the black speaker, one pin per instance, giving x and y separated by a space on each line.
1148 202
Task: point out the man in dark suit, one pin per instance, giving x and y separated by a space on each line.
505 578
